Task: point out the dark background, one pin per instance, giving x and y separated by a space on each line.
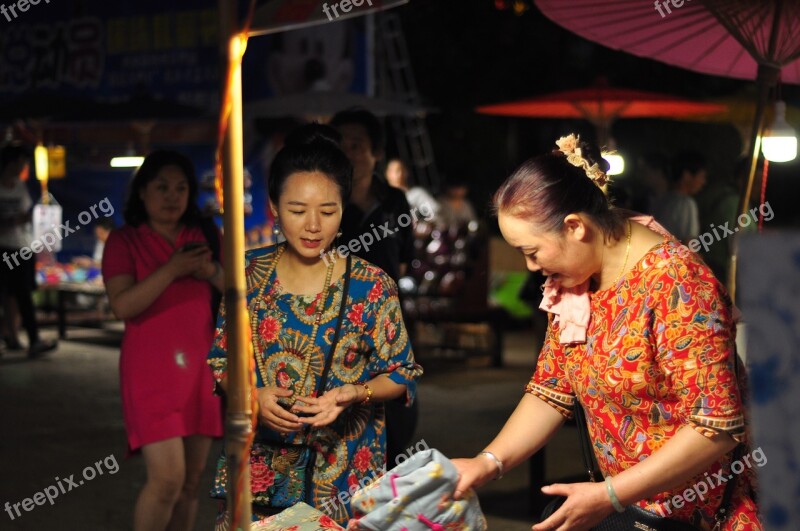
468 53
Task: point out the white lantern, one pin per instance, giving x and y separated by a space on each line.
779 143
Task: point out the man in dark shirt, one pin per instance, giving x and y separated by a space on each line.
382 212
374 208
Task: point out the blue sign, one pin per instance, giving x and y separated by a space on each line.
112 52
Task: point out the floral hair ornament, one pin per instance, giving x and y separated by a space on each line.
568 145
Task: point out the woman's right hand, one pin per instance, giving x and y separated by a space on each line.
472 473
183 263
274 415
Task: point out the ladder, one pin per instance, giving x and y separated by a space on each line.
395 81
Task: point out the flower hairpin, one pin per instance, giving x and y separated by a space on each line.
568 145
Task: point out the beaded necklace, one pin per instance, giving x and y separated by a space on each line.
258 301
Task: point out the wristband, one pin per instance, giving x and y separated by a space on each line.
497 461
613 495
369 393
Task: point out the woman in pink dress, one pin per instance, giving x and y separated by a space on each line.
159 275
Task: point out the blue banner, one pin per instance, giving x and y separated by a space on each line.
111 52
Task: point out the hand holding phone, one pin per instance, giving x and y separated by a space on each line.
191 246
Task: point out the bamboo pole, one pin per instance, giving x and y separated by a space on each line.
767 79
238 426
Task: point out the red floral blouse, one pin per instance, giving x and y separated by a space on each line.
658 357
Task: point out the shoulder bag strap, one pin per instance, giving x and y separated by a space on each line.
337 331
585 443
324 379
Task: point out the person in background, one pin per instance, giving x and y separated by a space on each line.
718 205
652 176
17 273
102 230
677 210
456 210
417 197
373 204
160 276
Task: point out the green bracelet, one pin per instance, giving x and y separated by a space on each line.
613 495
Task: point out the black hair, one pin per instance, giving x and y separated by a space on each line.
364 118
11 153
690 161
135 213
311 147
547 188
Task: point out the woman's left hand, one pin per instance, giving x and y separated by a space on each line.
326 408
586 505
207 269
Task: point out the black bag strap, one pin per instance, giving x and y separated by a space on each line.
324 378
585 444
337 332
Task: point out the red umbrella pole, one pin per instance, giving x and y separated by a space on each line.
767 79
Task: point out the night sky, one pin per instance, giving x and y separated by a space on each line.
467 53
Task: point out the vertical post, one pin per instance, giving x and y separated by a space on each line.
767 79
238 420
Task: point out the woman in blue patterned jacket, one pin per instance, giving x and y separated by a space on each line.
294 293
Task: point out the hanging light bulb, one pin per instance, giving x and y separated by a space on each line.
616 163
779 143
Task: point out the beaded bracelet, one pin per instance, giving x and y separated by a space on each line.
369 393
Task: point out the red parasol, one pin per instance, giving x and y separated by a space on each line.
728 38
602 104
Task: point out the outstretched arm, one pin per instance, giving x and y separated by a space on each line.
526 431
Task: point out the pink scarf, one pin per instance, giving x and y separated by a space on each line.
571 306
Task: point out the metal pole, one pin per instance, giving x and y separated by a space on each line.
238 426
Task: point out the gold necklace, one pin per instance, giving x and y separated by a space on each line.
627 253
259 350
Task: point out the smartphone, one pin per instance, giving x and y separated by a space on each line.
191 246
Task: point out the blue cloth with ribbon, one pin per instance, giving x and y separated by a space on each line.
417 495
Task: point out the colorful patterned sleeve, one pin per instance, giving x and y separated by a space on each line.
695 342
218 356
389 338
549 381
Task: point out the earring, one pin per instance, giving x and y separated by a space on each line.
276 229
339 234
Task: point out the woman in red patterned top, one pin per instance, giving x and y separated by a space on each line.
641 335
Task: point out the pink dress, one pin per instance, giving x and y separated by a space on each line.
166 385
